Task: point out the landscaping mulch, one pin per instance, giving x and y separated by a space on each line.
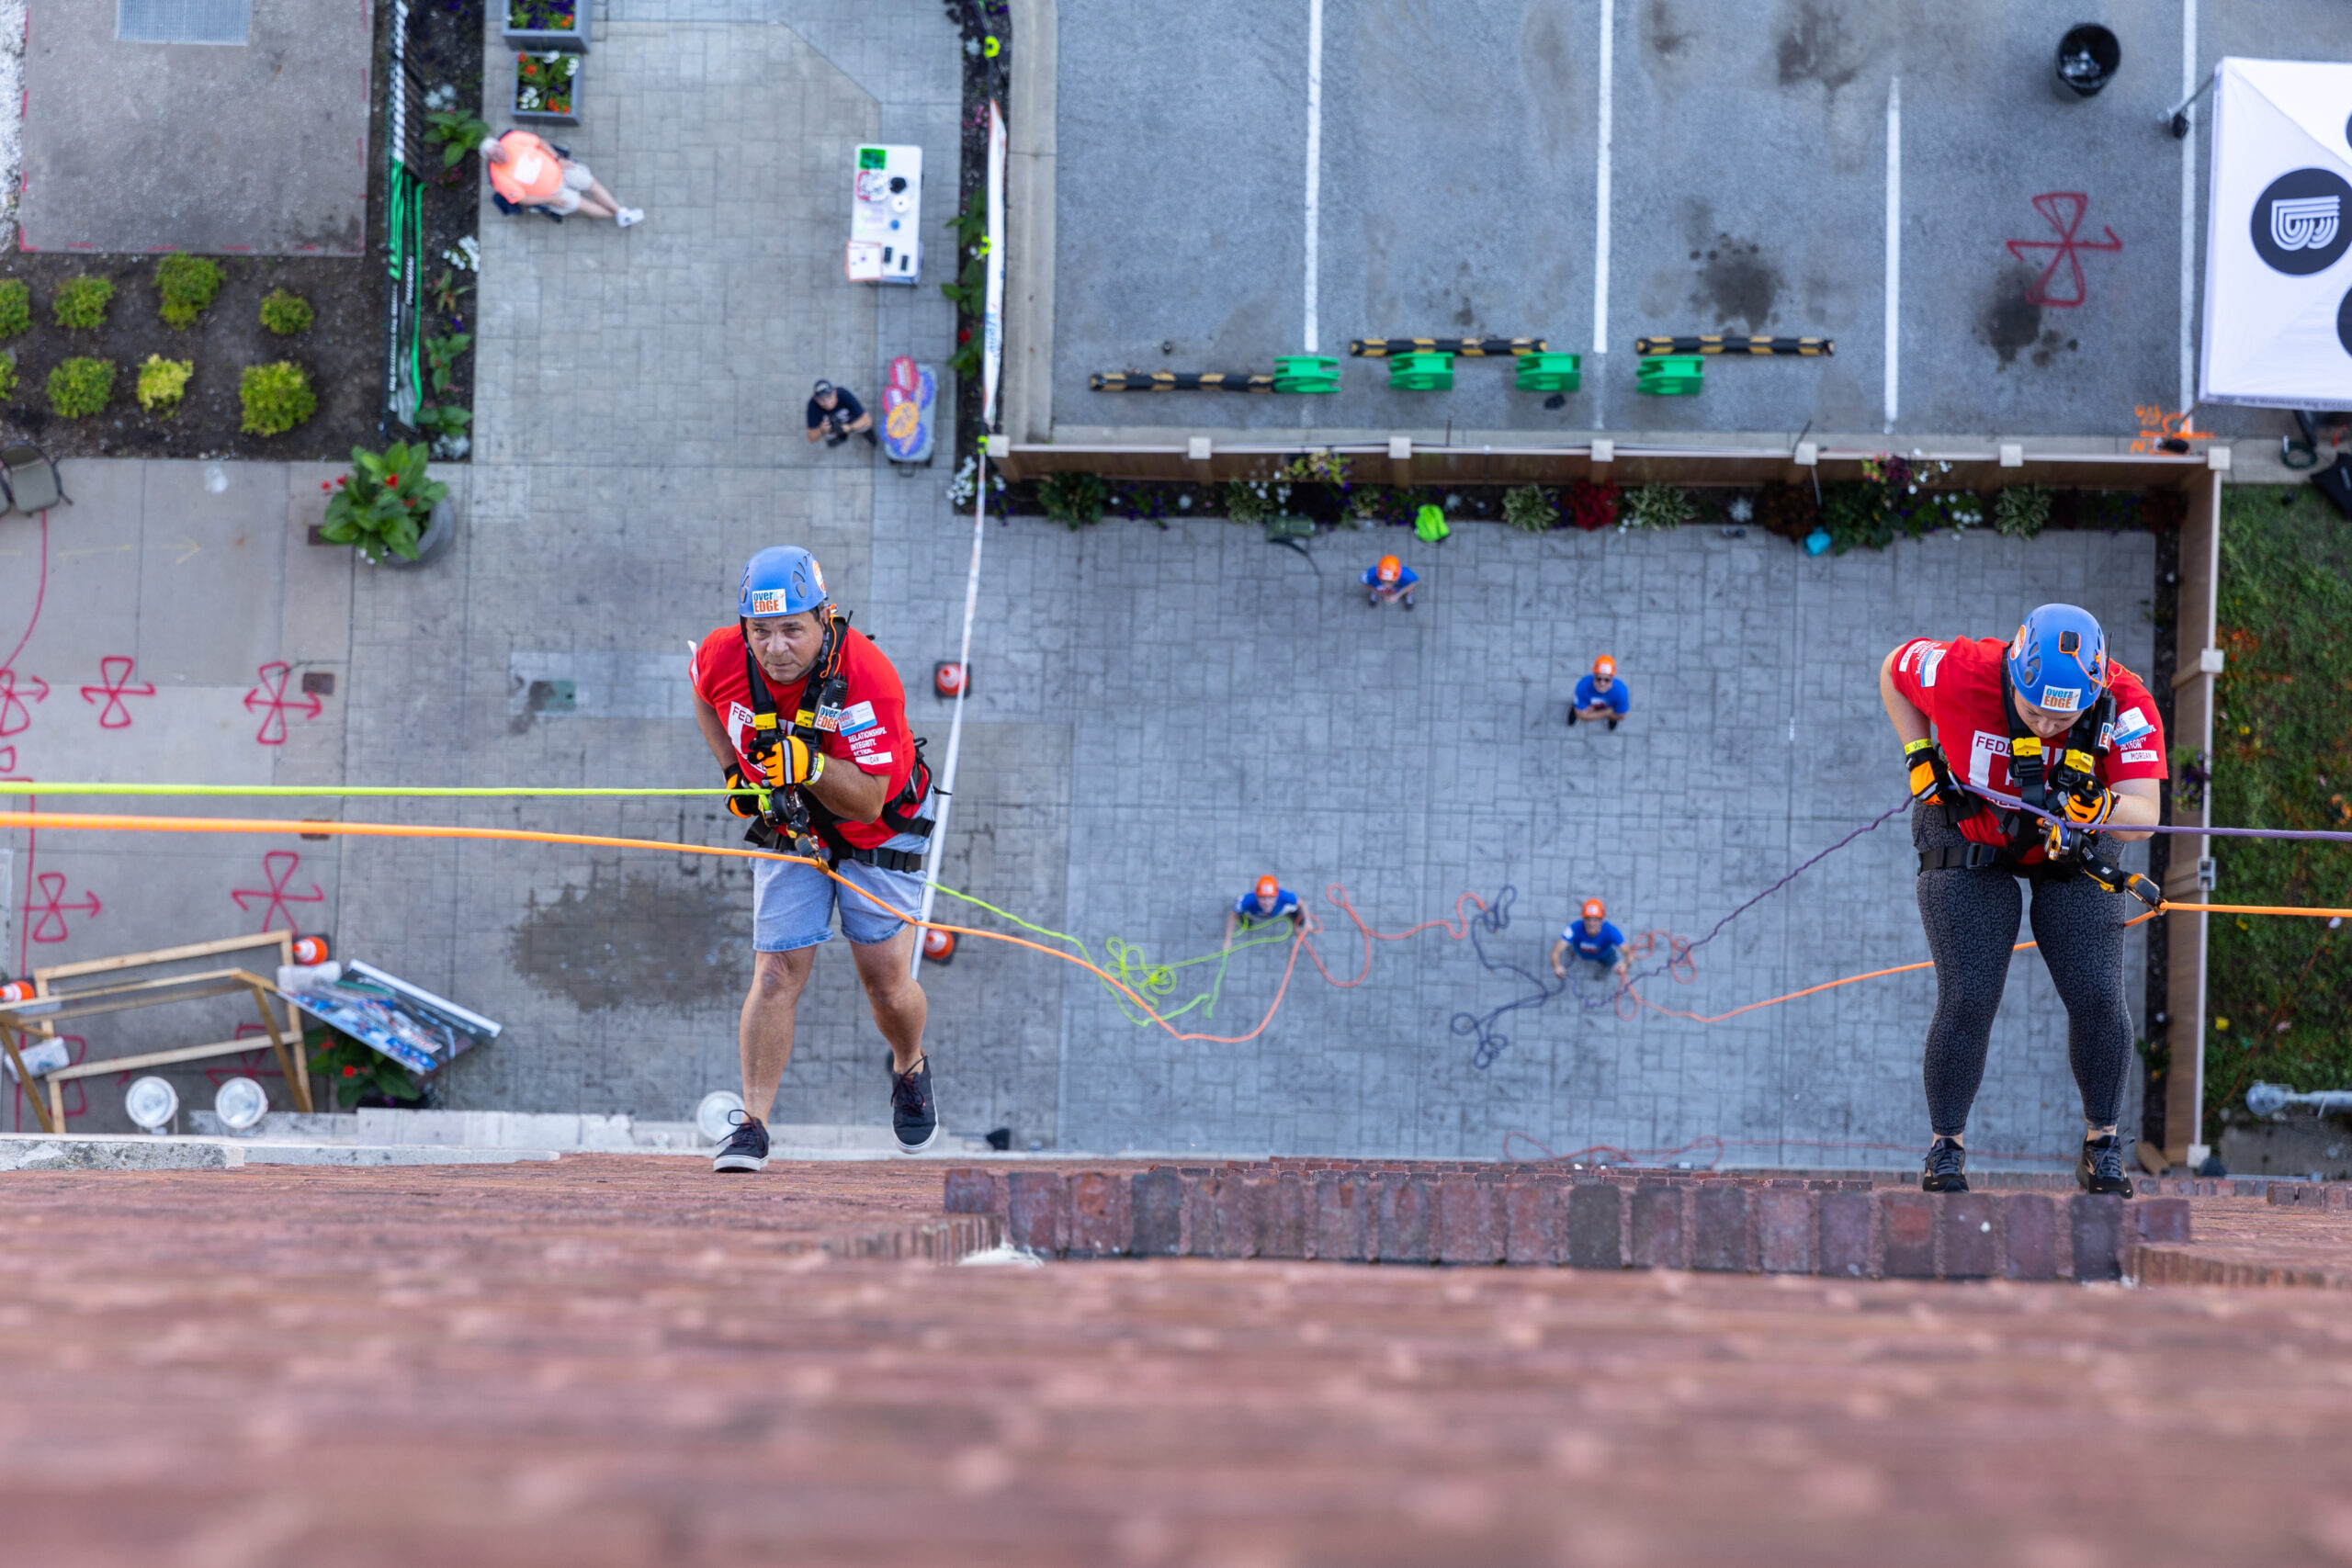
342 351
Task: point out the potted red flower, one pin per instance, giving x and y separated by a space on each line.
389 510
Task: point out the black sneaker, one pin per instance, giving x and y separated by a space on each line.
1947 1167
1613 724
1572 716
746 1148
914 1115
2100 1167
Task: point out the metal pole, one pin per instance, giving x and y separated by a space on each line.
946 784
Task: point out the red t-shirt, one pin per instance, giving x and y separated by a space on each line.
1958 686
870 731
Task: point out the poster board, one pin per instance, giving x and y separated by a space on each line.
2277 318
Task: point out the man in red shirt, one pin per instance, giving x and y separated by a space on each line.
2051 720
794 703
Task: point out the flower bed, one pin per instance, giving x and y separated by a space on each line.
547 88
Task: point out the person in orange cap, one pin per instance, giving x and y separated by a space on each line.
1594 941
1600 695
529 173
1269 900
1389 580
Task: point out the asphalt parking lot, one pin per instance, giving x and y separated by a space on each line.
2038 259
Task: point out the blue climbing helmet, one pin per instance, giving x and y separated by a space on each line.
2058 660
782 579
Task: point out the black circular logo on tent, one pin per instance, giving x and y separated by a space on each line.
2303 223
2344 324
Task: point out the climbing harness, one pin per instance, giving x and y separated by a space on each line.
793 818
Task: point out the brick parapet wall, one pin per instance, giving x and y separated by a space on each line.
1458 1214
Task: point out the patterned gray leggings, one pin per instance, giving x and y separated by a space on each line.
1971 922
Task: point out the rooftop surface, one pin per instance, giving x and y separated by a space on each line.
616 1360
1751 185
257 146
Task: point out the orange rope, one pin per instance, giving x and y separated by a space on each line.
1850 979
49 821
1337 893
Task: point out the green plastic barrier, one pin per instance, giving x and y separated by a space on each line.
1671 376
1420 373
1550 372
1306 373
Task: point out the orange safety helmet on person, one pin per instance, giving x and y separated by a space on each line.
532 172
1594 909
1604 665
1268 889
1390 568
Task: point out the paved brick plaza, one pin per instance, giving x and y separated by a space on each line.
616 1360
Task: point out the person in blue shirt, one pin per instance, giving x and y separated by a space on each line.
1600 695
1269 900
1594 941
1390 580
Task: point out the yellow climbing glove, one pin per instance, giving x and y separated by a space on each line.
744 806
1929 777
789 760
2089 810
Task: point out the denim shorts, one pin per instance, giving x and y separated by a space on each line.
792 905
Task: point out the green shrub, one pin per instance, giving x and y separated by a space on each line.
1073 500
285 313
1657 506
277 398
188 285
163 382
2020 511
81 302
1532 509
459 131
8 374
80 388
15 306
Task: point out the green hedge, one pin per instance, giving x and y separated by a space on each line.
2282 745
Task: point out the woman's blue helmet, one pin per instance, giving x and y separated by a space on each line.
2058 660
782 579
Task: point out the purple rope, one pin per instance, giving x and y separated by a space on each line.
2014 804
1675 955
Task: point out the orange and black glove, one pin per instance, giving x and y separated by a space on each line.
2089 808
743 806
1930 779
788 760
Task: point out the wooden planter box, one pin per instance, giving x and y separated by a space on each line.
572 40
547 115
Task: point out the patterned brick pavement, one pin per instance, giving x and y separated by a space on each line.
612 1360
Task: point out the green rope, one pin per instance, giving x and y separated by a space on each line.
361 792
1128 963
1123 960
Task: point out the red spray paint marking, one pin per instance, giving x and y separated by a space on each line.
115 671
271 696
2063 210
49 916
278 867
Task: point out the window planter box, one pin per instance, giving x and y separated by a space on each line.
547 88
536 25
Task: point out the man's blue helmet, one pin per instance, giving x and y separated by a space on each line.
782 579
2058 660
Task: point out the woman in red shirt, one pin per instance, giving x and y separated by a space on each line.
2051 719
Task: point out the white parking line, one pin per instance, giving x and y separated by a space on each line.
1314 160
1894 242
2188 211
1601 180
